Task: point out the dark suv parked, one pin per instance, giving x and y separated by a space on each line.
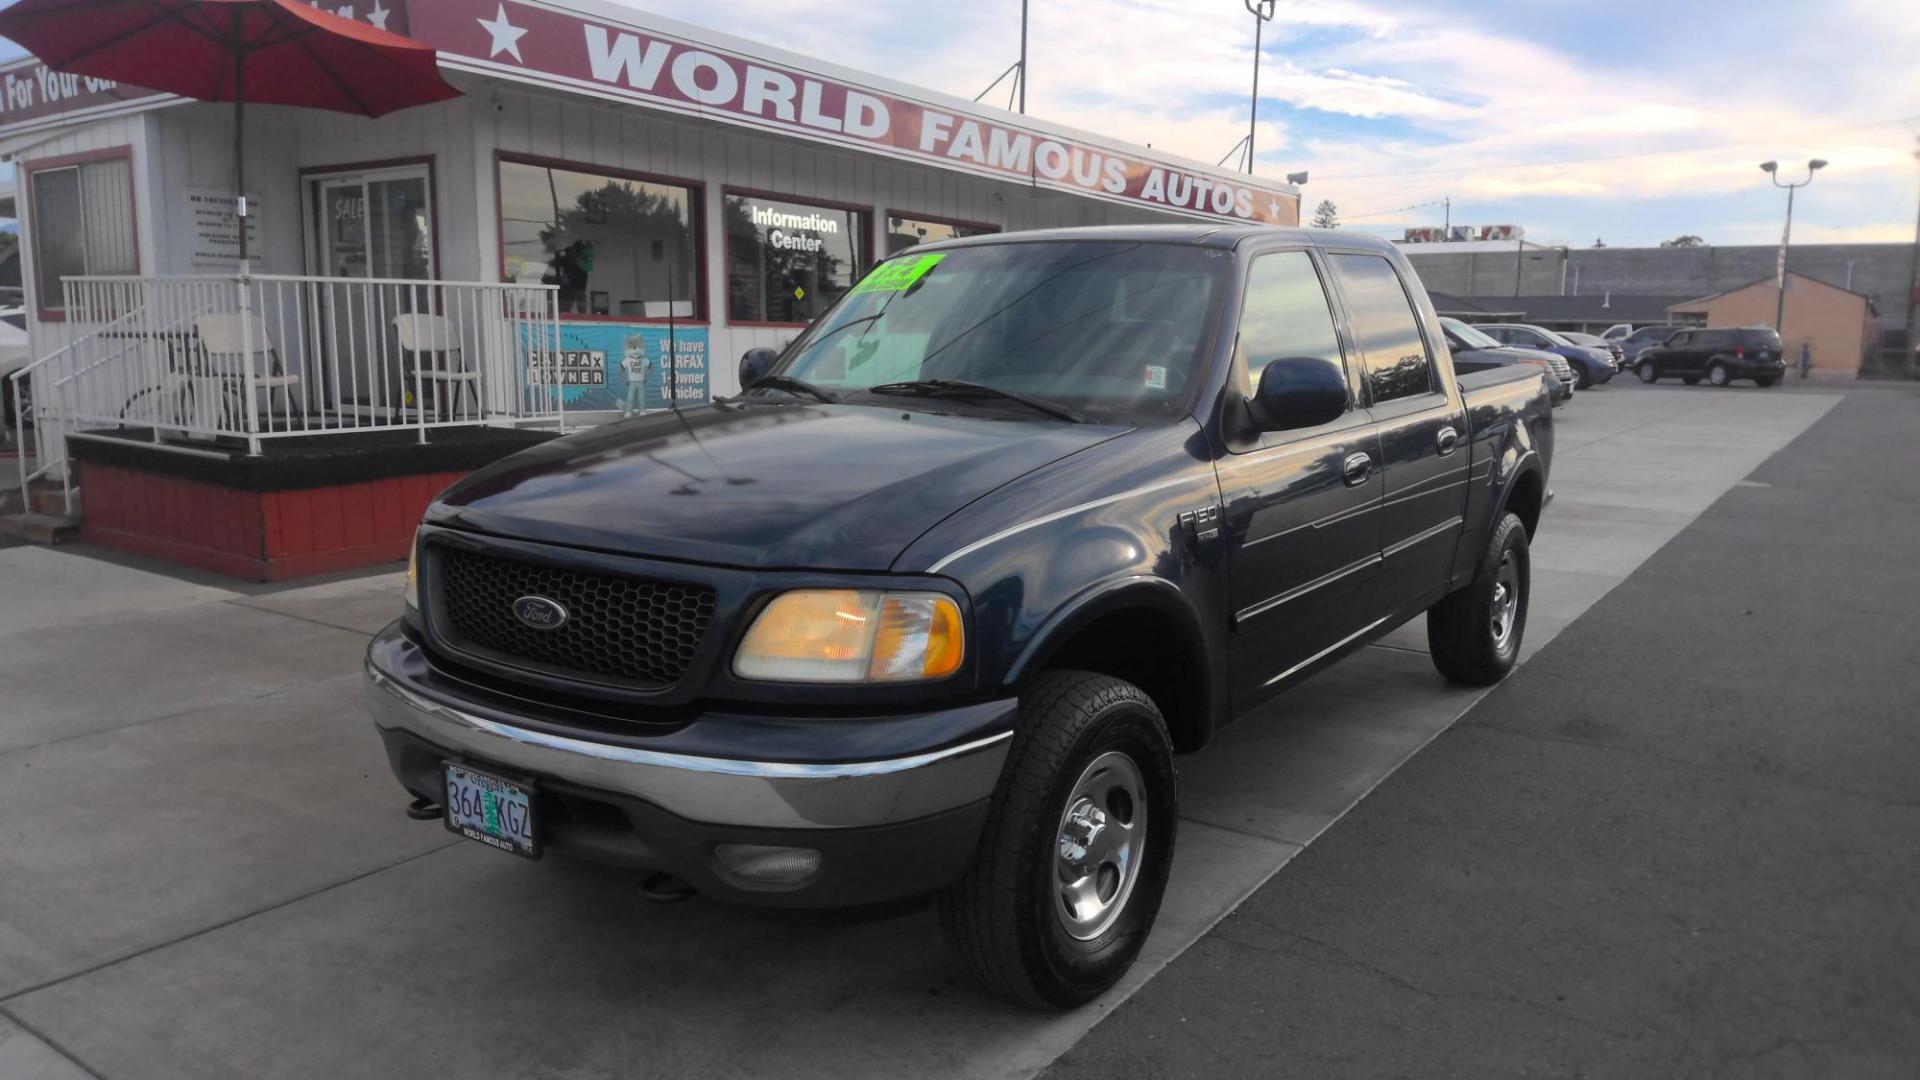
1719 356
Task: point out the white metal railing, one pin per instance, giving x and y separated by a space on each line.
205 358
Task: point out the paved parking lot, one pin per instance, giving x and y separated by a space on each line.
206 872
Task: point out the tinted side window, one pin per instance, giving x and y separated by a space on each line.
1385 328
1286 314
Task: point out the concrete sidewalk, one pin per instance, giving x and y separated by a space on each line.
1684 840
207 871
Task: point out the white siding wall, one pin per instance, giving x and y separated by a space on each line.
577 130
192 146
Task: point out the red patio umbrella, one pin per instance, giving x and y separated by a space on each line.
271 52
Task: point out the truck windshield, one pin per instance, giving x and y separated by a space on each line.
1473 339
1110 330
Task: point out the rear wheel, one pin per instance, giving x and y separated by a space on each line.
1648 374
1474 633
1718 374
1077 846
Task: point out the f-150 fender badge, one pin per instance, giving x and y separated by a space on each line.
1201 523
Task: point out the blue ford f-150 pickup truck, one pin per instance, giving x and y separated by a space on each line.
930 608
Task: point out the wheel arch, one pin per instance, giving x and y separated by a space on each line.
1144 630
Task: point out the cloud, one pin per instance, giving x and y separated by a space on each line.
1389 103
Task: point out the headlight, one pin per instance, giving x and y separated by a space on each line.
853 635
413 574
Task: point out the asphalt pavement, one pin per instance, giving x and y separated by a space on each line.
205 870
1683 840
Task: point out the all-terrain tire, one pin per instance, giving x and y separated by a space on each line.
999 919
1464 630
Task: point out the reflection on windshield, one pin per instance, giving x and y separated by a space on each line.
1113 330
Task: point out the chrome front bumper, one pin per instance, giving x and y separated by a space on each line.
716 791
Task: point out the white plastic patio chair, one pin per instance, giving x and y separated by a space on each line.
235 343
433 336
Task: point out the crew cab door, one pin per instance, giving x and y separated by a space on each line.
1301 508
1422 429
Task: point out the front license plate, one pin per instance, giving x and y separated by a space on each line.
496 812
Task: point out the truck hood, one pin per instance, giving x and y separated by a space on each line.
832 487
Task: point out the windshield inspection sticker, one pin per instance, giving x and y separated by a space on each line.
1156 377
898 275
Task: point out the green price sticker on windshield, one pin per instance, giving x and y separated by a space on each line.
898 275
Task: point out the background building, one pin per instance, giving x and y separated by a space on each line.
1591 288
1836 326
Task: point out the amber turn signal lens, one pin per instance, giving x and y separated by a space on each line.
853 635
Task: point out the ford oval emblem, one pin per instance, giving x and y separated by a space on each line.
540 612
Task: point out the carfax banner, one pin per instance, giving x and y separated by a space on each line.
601 365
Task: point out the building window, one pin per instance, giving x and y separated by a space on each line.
618 246
82 224
788 261
905 232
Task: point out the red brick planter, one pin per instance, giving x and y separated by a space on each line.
331 504
259 535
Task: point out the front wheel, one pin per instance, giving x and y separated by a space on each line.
1648 374
1582 380
1474 632
1077 847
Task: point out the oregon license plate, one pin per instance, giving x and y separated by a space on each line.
496 812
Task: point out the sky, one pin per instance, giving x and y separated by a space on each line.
1624 120
1628 121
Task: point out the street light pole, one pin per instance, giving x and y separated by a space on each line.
1261 10
1772 169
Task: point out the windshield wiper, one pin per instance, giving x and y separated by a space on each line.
959 388
794 386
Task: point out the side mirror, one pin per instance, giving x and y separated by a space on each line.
1299 392
754 363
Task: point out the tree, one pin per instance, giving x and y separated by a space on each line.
1326 215
1684 240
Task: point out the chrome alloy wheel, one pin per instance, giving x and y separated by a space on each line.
1506 601
1102 835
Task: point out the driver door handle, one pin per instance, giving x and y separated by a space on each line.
1356 469
1448 439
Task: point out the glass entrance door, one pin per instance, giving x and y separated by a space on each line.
373 233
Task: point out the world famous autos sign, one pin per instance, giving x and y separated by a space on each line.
556 46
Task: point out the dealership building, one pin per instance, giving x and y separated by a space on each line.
615 208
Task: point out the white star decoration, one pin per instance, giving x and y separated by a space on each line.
506 36
1273 208
378 16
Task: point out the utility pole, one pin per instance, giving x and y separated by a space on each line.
1023 57
1261 10
1447 229
1911 362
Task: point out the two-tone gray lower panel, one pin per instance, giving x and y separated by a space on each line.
719 791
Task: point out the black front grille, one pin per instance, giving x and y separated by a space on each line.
623 630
